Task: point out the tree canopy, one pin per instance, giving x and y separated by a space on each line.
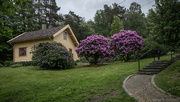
135 20
166 21
116 26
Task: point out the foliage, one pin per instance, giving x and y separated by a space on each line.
166 22
114 10
93 48
104 18
135 20
47 12
1 65
174 90
126 43
26 63
116 26
100 24
150 43
24 19
6 9
83 60
80 28
135 7
52 55
8 63
16 65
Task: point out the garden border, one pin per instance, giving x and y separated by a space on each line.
161 90
124 87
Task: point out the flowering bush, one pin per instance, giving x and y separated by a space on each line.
93 48
126 43
52 55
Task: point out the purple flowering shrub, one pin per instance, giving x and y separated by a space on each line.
125 43
94 48
52 55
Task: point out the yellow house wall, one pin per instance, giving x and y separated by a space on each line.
67 43
26 44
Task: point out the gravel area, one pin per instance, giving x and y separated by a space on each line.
140 86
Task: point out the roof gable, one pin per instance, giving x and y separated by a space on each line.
70 32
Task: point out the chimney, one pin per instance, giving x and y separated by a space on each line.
43 26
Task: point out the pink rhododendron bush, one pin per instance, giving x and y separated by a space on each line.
94 48
126 43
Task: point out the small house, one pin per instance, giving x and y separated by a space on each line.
23 43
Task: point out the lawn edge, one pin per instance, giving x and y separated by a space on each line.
124 87
161 90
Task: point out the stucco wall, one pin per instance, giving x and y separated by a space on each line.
67 43
28 45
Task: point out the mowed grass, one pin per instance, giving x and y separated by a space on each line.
73 85
169 79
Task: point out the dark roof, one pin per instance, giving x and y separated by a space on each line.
37 34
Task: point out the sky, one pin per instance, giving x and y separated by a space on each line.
88 8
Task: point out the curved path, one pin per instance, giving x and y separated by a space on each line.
141 88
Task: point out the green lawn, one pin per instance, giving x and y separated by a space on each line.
169 79
73 85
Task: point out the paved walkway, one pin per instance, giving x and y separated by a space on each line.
140 87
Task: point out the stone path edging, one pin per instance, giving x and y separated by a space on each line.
159 89
124 87
153 83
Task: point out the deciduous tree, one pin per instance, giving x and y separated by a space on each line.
135 20
116 26
166 20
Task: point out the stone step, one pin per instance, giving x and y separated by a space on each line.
161 62
148 73
151 70
158 65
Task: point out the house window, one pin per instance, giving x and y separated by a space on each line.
65 35
22 51
70 50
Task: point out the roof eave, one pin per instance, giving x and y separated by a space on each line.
30 39
11 40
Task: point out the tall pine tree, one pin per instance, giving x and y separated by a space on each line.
46 11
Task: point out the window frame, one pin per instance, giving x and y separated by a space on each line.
70 50
23 51
65 35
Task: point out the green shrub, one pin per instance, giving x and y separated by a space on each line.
16 65
52 55
8 63
1 65
83 60
149 44
26 63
